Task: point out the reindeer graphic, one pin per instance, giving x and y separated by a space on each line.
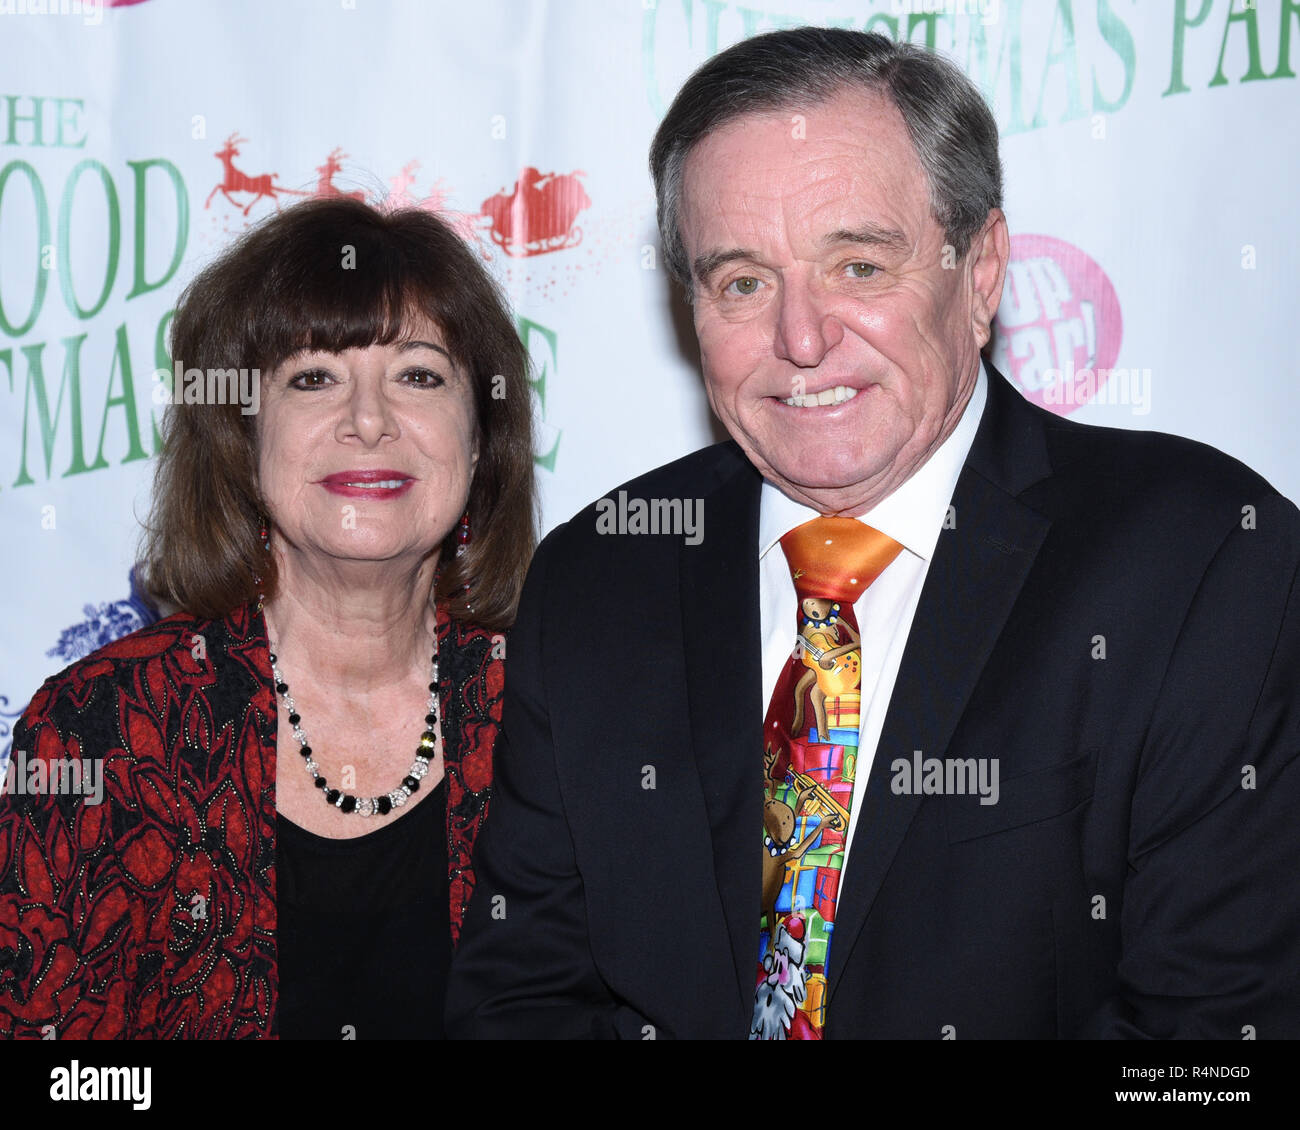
236 181
334 164
399 197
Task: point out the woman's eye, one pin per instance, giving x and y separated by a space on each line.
310 378
422 377
861 270
745 285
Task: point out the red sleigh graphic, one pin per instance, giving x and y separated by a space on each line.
538 216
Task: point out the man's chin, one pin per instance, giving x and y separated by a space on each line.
827 493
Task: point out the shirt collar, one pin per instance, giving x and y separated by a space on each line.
913 515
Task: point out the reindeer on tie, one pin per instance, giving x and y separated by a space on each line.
236 181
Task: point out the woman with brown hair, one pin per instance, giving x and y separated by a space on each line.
295 764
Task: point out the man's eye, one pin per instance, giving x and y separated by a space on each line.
310 378
745 285
426 377
861 270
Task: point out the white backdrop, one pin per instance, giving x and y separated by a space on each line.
1151 176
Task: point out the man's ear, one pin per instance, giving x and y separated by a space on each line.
988 255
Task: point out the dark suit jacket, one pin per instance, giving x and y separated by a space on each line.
1129 881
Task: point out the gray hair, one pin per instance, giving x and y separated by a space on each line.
953 130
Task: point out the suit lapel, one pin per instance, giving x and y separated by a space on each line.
720 628
974 579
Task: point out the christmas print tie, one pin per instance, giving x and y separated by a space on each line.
810 738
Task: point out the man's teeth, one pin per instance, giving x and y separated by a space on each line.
386 484
840 394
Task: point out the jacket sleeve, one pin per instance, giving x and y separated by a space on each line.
61 916
1210 916
524 967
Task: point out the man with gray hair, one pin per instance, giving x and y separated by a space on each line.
1013 699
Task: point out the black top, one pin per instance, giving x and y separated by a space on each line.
373 959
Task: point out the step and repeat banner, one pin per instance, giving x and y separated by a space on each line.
1151 173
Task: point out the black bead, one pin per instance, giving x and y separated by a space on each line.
349 803
411 783
385 806
272 655
430 719
306 751
430 735
331 796
320 782
283 688
294 719
433 686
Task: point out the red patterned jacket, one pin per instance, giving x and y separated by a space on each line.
96 933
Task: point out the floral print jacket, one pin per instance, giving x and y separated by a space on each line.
98 938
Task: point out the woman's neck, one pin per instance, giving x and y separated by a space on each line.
367 628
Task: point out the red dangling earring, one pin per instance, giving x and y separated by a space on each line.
462 544
265 534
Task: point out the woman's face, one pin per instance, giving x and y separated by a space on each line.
368 454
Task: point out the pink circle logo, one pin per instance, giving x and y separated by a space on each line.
1058 327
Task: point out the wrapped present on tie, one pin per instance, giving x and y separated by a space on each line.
814 1002
798 890
844 711
825 893
835 735
820 761
842 793
850 765
828 851
817 939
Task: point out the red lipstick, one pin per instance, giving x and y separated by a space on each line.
379 483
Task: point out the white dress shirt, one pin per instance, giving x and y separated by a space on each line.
913 515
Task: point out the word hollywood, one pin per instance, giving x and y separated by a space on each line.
213 386
683 517
34 776
99 1084
953 776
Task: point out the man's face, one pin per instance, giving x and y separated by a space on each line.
838 349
